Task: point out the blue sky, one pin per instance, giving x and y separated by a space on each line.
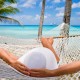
30 11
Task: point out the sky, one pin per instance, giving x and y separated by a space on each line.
30 11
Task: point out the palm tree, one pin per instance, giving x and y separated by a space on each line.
67 15
4 10
41 19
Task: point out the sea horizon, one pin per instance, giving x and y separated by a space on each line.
31 31
38 25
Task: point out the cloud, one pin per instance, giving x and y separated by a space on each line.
29 3
59 14
49 7
57 1
40 4
78 13
60 9
14 5
30 19
37 17
76 5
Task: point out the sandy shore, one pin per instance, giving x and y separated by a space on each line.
15 41
19 46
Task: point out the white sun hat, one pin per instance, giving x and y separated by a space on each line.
39 58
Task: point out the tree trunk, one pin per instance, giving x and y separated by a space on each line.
67 13
67 16
41 19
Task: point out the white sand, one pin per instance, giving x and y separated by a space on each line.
14 41
19 46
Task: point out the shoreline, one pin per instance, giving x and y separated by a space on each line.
18 46
15 41
34 41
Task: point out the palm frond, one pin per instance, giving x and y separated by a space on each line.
11 1
2 3
9 20
8 10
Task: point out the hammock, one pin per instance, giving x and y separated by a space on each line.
70 52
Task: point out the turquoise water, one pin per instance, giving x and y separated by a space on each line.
31 31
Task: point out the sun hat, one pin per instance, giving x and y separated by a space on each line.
39 58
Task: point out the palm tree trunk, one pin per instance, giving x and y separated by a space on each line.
65 27
67 13
41 19
67 16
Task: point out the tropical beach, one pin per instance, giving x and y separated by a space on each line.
19 38
20 46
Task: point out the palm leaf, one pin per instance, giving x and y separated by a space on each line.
2 3
8 10
11 1
10 20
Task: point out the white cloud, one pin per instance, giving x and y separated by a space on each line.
54 1
46 7
30 19
76 5
40 4
45 16
78 13
49 7
37 17
14 5
57 1
60 9
29 3
59 14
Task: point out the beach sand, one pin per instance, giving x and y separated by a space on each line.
20 46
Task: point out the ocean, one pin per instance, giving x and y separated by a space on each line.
31 31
